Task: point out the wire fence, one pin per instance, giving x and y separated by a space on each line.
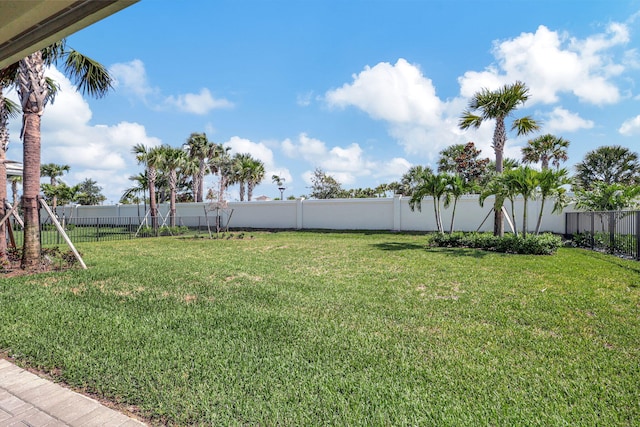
615 232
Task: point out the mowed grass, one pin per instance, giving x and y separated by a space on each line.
302 328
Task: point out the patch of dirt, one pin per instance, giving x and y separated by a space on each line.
12 269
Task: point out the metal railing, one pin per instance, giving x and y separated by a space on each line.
616 232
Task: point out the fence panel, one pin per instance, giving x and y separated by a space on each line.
616 232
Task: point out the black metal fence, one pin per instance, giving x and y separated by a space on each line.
616 232
118 228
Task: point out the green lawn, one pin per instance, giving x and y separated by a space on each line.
302 328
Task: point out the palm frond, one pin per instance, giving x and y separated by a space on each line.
88 75
469 120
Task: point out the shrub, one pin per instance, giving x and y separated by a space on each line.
542 244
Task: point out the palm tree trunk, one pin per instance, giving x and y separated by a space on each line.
453 215
499 138
152 199
30 190
524 218
200 190
33 92
242 191
3 199
540 216
513 218
4 144
437 214
250 186
173 183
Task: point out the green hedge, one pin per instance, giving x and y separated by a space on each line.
542 244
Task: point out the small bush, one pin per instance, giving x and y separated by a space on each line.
542 244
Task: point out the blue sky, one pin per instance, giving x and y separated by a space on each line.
362 88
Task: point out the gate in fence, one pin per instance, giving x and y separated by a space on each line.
616 232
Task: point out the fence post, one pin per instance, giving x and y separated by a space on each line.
593 235
612 232
637 215
97 229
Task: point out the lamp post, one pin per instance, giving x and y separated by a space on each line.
281 192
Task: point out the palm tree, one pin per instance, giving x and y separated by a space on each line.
414 178
151 158
456 187
522 181
172 159
434 186
200 149
498 105
552 184
15 180
609 164
497 187
256 175
279 181
34 92
53 171
546 148
221 164
242 164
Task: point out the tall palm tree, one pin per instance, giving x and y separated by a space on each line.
200 149
497 105
151 158
242 164
221 164
89 77
256 176
53 172
172 159
546 148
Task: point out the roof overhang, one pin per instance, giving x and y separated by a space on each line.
13 168
29 25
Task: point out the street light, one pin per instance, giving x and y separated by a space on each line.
281 192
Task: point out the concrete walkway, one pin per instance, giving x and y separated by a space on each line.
28 400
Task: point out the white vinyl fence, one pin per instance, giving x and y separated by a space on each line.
393 214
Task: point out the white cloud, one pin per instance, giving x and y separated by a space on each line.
345 164
560 120
393 169
257 150
132 78
262 152
395 93
200 103
402 96
630 127
552 63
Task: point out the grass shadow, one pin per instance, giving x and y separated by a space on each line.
397 246
464 252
